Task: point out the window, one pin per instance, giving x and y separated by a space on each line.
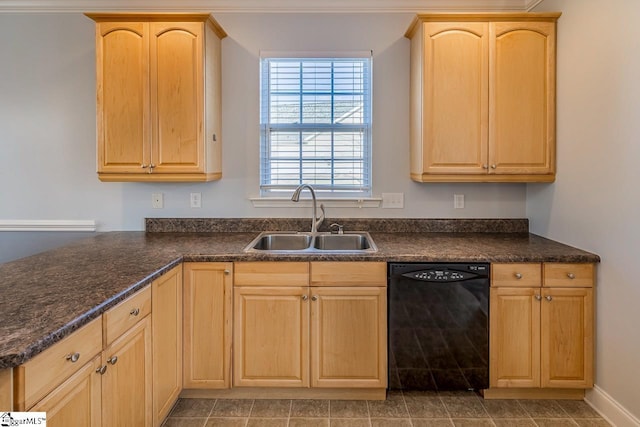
316 125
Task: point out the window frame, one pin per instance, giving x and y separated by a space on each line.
267 126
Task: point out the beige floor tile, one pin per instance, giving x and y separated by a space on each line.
543 408
308 422
348 409
555 422
514 422
578 409
350 422
592 422
232 408
267 422
464 407
226 422
432 422
184 422
504 409
271 408
310 408
472 422
392 407
192 408
425 406
390 422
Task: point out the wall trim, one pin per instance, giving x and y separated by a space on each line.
610 409
266 6
47 225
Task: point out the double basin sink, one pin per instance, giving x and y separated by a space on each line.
298 242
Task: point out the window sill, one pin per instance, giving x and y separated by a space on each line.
285 202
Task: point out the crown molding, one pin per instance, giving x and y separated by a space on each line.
266 6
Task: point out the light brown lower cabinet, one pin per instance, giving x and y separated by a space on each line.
542 336
290 334
208 288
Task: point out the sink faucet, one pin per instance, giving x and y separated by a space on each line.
315 222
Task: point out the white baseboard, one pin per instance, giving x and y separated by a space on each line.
47 225
610 409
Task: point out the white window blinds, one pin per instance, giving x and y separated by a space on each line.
316 125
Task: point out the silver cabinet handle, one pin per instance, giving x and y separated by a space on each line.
518 276
73 358
135 312
538 297
571 275
314 298
113 360
305 297
102 369
548 297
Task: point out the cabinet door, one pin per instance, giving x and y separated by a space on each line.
514 337
207 325
522 98
271 337
76 402
455 81
349 337
126 384
177 96
567 338
166 328
122 78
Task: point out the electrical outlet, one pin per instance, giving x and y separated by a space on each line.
196 200
392 200
157 200
458 201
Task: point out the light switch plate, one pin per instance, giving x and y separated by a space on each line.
157 200
458 201
392 200
196 200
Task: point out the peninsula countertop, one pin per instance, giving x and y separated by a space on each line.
47 296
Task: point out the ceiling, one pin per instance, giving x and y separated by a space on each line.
269 6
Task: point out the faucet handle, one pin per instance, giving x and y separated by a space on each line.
339 228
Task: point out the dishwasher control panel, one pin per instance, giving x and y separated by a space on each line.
442 273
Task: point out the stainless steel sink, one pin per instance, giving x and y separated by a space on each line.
280 242
343 242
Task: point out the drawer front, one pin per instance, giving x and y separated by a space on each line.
516 275
348 274
568 275
271 273
123 316
43 373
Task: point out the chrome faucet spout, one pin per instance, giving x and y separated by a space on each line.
315 222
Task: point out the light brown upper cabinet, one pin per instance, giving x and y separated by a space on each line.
158 97
483 97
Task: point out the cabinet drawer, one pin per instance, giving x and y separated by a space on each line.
348 274
126 314
568 275
43 373
271 273
516 274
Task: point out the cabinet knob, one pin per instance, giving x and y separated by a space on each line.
135 312
493 166
113 360
143 166
227 272
548 298
73 358
305 297
485 166
518 276
314 298
102 369
538 297
571 275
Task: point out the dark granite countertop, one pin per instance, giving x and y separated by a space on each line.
47 296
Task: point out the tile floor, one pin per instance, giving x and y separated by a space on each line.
418 409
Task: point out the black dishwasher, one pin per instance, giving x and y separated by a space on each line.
438 326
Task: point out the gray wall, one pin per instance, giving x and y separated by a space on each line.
595 203
47 124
